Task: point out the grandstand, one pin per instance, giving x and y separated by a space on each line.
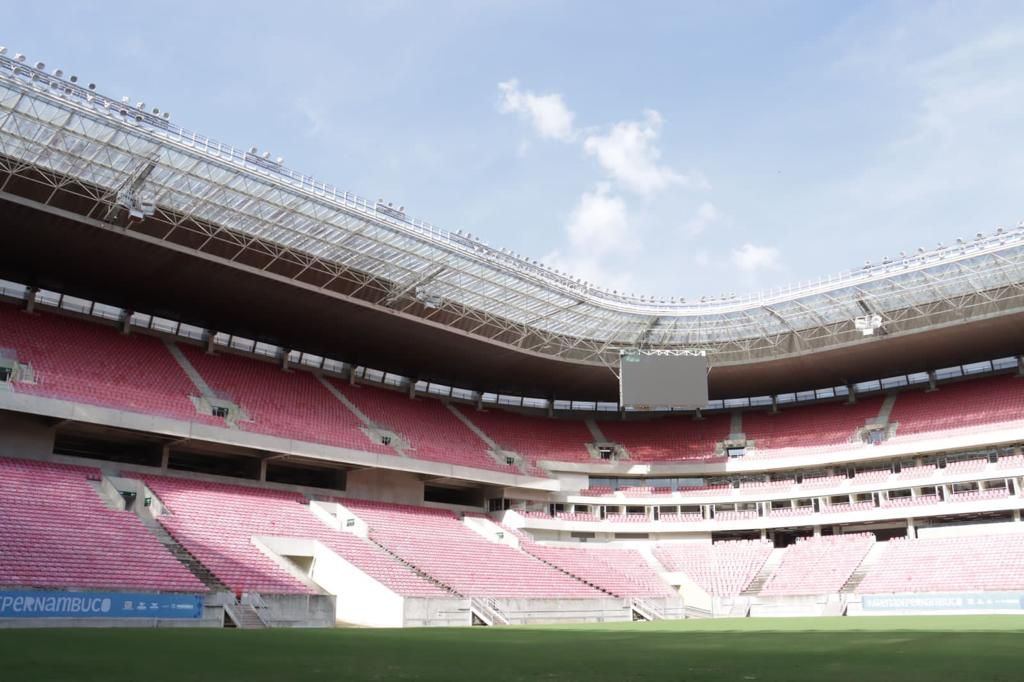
335 414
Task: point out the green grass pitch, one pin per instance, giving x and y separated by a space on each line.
890 649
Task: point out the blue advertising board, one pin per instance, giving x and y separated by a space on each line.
33 604
947 601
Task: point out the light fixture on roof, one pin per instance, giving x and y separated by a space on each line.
73 79
57 73
3 50
92 86
20 58
980 235
867 324
40 66
920 249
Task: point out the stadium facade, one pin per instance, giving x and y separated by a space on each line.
224 383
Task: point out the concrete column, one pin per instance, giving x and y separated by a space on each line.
817 531
263 470
352 376
126 322
764 534
165 457
1020 365
851 395
911 528
30 299
698 415
479 401
775 404
209 341
412 388
931 381
1016 515
551 406
285 352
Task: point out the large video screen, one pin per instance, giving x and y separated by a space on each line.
649 381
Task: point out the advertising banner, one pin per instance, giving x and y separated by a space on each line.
948 601
33 604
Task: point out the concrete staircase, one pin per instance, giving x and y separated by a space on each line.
496 452
180 553
487 612
770 564
869 560
369 428
245 617
595 431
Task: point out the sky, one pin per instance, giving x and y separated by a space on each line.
655 148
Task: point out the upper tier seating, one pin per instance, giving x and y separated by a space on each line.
96 364
216 522
818 565
56 532
285 404
916 473
981 494
908 501
808 426
955 564
441 546
431 430
620 572
966 466
532 437
735 515
721 569
963 406
706 490
681 517
870 476
672 437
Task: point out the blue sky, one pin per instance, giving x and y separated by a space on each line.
653 147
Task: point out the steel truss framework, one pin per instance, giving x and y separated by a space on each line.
246 209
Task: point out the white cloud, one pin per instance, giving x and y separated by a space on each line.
599 224
548 114
599 234
629 155
705 215
750 258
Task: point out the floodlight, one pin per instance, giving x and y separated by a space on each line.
40 66
92 86
73 79
57 73
20 58
3 50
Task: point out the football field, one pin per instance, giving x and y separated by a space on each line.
969 648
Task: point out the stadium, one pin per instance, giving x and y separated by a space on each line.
235 397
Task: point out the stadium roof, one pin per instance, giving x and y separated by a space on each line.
130 167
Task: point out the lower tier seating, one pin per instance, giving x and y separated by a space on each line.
620 572
818 565
441 546
722 569
955 564
217 521
56 532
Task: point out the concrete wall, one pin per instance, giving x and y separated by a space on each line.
538 611
1009 527
26 436
420 612
384 486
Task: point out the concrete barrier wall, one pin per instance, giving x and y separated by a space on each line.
538 611
421 612
299 610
